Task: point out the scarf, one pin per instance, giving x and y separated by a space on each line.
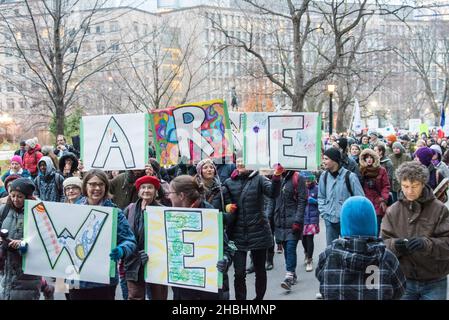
370 171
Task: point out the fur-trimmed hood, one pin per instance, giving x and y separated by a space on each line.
373 154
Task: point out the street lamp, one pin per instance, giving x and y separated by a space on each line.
330 90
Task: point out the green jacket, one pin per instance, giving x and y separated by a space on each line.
397 161
123 192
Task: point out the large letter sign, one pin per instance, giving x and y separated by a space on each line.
184 246
69 241
115 142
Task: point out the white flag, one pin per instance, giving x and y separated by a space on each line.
357 123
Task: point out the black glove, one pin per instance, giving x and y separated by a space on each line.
416 244
222 265
143 257
401 247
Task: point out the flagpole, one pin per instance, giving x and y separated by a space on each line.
352 118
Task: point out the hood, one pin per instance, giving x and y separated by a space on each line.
357 253
68 155
49 163
426 196
373 154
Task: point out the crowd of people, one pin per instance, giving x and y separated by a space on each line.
375 195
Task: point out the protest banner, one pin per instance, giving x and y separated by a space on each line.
114 142
184 246
236 120
164 136
69 241
413 125
293 139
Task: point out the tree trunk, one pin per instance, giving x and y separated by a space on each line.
298 103
58 72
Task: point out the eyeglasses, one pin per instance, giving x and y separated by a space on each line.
96 185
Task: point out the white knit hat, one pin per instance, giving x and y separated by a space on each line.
73 181
31 143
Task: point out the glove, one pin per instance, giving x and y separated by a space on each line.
296 227
312 200
222 265
116 254
23 248
143 257
401 247
278 169
231 208
416 244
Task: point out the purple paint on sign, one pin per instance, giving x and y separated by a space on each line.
256 129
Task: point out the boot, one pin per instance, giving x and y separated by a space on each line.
309 265
269 265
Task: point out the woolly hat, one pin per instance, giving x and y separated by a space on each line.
392 138
31 143
23 185
424 155
358 218
73 181
399 146
200 165
10 179
17 159
333 154
147 179
436 148
343 143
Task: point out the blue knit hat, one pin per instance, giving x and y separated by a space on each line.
358 218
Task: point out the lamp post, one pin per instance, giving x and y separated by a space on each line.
330 90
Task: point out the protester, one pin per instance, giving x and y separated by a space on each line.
335 186
391 139
185 192
441 167
48 151
62 147
72 189
355 152
122 188
344 267
14 285
68 165
134 264
49 183
398 157
364 142
424 156
373 139
385 161
376 185
154 169
16 167
249 227
95 193
21 151
288 215
31 157
416 229
207 175
311 221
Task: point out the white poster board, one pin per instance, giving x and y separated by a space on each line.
373 123
291 139
236 120
114 142
69 241
413 125
184 246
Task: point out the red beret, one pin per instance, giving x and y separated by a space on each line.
147 179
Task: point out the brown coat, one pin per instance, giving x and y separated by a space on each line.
426 217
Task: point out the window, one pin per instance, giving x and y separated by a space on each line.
22 104
136 27
23 70
99 29
10 104
9 88
8 70
115 27
74 48
115 47
101 46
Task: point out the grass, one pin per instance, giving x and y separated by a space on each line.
4 164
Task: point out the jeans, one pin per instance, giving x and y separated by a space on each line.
259 258
426 290
290 255
332 231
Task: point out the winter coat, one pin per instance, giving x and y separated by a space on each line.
377 189
332 196
425 217
31 159
123 192
225 170
288 209
133 265
68 149
344 267
68 155
125 240
443 170
312 215
223 294
350 164
49 186
14 285
249 227
397 160
388 165
24 173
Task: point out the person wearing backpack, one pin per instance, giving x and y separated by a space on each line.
335 186
49 183
287 210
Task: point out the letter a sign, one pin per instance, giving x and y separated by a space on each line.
115 142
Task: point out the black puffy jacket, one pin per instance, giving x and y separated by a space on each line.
249 227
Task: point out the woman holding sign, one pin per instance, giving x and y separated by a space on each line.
147 188
96 193
185 192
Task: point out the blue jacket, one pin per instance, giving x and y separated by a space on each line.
24 174
331 198
125 240
312 214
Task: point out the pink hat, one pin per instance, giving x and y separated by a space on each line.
17 159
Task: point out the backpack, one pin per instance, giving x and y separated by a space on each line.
348 183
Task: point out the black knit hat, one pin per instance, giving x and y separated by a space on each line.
23 185
333 154
343 143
